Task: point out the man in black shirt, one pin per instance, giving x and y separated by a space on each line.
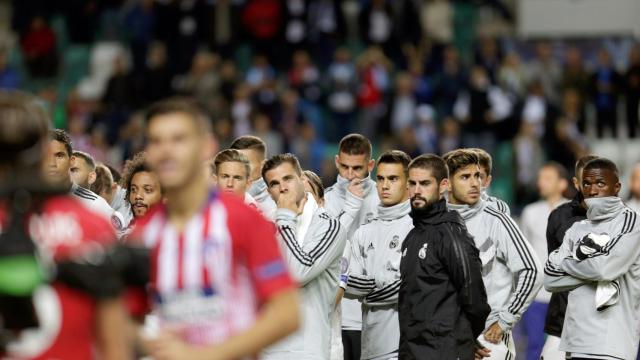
560 220
442 303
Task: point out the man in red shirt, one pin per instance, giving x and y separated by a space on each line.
221 289
79 312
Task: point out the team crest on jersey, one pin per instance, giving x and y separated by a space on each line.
423 251
344 265
394 242
370 247
117 223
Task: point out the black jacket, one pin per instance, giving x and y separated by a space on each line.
442 301
560 220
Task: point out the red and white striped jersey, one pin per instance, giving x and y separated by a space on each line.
209 280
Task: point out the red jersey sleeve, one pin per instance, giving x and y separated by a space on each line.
257 247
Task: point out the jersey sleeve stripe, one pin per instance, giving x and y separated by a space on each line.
527 258
385 293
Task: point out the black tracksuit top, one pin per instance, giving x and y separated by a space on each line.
442 302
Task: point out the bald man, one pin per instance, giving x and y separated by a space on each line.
634 189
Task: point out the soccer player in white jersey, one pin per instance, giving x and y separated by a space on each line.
58 173
232 171
374 270
219 284
511 270
354 200
83 169
256 151
486 168
312 243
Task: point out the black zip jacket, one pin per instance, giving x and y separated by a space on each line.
442 302
560 220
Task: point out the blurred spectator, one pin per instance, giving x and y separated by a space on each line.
537 110
403 106
9 76
512 75
632 91
156 82
451 81
290 117
241 109
449 136
529 157
407 142
304 77
436 18
326 28
140 23
309 148
374 69
119 94
296 29
489 56
180 25
575 75
263 129
202 80
376 23
223 129
341 97
425 129
262 20
82 17
566 143
634 189
228 80
479 109
39 49
605 87
546 69
552 183
224 27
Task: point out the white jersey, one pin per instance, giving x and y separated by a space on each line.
335 200
120 204
533 223
264 202
374 277
96 203
312 244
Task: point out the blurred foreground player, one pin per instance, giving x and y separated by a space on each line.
79 312
221 289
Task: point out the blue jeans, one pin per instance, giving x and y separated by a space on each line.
533 324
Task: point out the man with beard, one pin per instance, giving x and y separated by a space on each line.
374 271
510 268
256 151
597 263
560 220
312 243
443 303
354 200
141 185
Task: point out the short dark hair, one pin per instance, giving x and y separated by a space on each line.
559 169
355 144
231 155
86 157
249 142
315 182
484 159
278 160
395 157
24 124
131 167
431 162
104 180
62 136
114 173
460 158
582 161
602 163
182 105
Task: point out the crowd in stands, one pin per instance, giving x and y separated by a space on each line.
301 74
